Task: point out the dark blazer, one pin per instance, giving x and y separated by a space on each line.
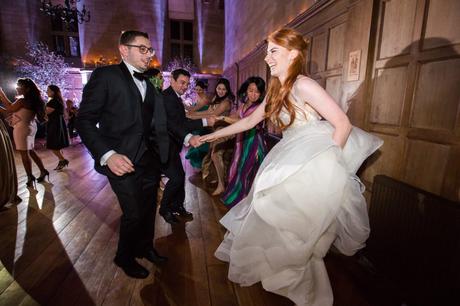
112 100
178 124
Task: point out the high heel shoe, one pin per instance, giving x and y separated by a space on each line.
30 181
43 175
62 163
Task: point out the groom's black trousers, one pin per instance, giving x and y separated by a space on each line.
137 194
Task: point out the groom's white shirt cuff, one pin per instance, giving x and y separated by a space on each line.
189 135
106 157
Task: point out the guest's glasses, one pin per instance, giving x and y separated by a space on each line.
143 49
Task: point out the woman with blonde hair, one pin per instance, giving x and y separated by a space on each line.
306 195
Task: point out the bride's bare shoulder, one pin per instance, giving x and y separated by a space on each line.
305 84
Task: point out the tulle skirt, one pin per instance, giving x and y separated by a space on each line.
305 197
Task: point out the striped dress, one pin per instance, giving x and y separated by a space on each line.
250 150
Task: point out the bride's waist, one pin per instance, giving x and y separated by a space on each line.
312 126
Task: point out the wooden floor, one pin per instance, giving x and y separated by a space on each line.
57 247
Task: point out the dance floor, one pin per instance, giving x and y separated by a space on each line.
57 247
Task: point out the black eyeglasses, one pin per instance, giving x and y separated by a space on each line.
143 49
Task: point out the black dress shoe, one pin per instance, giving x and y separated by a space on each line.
132 269
153 256
169 217
182 212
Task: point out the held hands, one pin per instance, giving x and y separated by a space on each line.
194 141
120 164
209 137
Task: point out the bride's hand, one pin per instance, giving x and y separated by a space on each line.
209 137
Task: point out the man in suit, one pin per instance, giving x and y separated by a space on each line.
122 122
174 192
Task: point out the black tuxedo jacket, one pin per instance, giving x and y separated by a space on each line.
127 125
178 124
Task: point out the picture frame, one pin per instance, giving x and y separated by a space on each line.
354 64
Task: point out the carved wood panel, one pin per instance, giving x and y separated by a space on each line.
318 53
388 95
335 49
442 21
397 24
437 95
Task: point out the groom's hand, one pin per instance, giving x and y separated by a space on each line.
194 141
120 164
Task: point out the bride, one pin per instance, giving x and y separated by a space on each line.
306 195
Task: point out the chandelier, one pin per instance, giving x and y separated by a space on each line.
67 12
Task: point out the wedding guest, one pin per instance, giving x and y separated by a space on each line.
23 111
220 152
196 155
57 136
250 147
72 112
122 121
173 198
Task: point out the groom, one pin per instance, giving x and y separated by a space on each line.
122 122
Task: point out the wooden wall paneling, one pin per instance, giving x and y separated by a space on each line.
319 52
423 172
415 97
387 160
231 74
451 186
388 95
437 95
336 44
397 25
253 65
442 21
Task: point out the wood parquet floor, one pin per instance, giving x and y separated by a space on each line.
57 247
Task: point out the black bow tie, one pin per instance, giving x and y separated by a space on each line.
140 76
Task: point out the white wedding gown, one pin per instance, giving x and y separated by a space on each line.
305 197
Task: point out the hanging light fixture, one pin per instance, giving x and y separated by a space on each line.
69 13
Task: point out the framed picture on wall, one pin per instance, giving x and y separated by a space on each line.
354 61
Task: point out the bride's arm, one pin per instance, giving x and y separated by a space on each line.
312 93
240 126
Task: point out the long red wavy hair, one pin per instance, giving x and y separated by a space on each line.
278 94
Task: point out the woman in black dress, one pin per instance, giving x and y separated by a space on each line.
57 136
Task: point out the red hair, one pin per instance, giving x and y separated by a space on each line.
278 94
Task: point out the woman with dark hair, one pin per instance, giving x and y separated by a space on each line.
57 136
196 155
23 113
250 147
306 194
72 112
220 152
202 100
